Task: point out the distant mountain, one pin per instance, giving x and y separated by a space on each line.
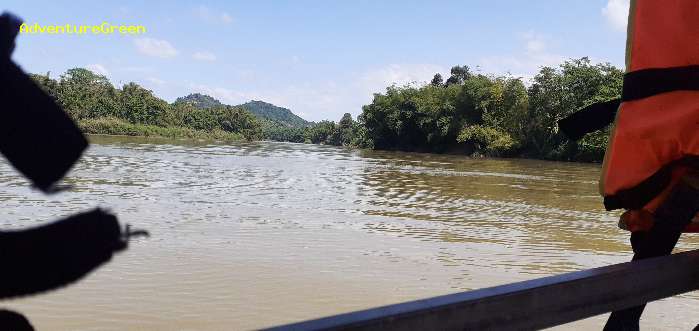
274 113
198 100
260 109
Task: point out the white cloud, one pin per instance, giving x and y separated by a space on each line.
226 18
155 47
535 43
328 99
202 11
138 69
525 63
98 69
617 13
156 81
376 80
209 15
204 56
225 95
313 102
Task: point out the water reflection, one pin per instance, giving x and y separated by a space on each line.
525 206
255 234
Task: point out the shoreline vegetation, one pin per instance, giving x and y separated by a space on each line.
116 127
469 113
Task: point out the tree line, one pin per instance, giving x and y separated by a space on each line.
480 114
469 113
99 107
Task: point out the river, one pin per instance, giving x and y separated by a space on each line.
248 235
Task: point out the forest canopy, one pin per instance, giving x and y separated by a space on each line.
470 113
480 114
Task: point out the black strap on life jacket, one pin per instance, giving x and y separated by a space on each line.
641 194
637 85
649 82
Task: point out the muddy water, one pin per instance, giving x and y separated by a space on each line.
257 234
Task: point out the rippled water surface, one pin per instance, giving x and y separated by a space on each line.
257 234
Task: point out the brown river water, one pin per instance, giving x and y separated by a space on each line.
248 235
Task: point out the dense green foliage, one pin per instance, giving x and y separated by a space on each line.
99 107
114 126
198 100
474 114
492 115
278 123
268 111
345 133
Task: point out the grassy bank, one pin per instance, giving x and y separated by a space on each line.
114 126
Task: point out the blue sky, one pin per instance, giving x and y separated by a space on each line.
318 58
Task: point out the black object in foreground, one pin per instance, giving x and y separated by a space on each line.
43 143
36 135
591 118
57 254
14 321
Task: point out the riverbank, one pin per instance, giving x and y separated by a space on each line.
117 127
478 114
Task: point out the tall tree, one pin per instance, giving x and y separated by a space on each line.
85 94
459 74
139 105
437 80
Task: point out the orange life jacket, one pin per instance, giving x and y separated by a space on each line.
657 124
655 138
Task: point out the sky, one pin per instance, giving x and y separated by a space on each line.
320 59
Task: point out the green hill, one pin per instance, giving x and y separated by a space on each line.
199 100
260 109
276 114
